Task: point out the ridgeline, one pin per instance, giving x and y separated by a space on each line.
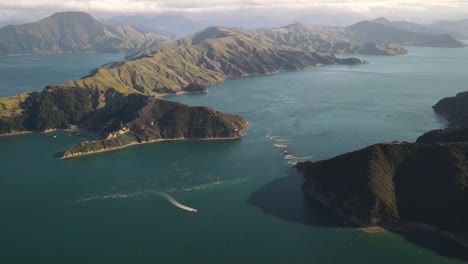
120 101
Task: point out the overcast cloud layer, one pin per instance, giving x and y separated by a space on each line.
410 9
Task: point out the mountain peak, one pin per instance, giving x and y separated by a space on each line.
211 32
296 26
381 20
73 17
71 14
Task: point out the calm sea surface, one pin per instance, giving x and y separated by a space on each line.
32 73
105 209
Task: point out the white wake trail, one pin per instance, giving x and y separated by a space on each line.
175 203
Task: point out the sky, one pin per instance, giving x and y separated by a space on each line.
415 10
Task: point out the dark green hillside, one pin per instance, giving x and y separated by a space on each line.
391 184
140 119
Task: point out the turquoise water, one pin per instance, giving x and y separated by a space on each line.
102 208
34 72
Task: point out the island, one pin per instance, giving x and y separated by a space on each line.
401 185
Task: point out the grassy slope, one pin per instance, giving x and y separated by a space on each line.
205 58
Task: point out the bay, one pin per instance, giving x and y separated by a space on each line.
104 208
28 73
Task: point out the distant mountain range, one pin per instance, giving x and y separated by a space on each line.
79 32
456 28
378 30
181 26
72 32
389 32
177 25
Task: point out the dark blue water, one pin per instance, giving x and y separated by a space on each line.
20 74
103 208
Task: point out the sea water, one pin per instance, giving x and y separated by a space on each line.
105 209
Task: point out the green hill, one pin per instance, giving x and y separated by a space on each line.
295 36
391 185
203 59
72 32
117 100
396 185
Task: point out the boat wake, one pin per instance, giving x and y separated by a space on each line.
284 149
174 202
110 196
203 186
135 194
280 146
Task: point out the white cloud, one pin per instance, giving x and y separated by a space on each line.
413 8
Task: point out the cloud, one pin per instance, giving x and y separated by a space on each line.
374 7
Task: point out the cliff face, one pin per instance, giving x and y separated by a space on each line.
389 184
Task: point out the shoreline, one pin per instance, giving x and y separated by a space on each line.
80 154
396 228
45 132
55 53
401 228
12 134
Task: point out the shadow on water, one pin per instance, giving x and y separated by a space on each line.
283 198
436 243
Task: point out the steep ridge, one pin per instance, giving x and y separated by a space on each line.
72 32
203 59
295 36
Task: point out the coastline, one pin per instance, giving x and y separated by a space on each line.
12 134
80 154
402 227
54 53
399 228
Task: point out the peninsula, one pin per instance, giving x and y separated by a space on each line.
398 185
121 102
